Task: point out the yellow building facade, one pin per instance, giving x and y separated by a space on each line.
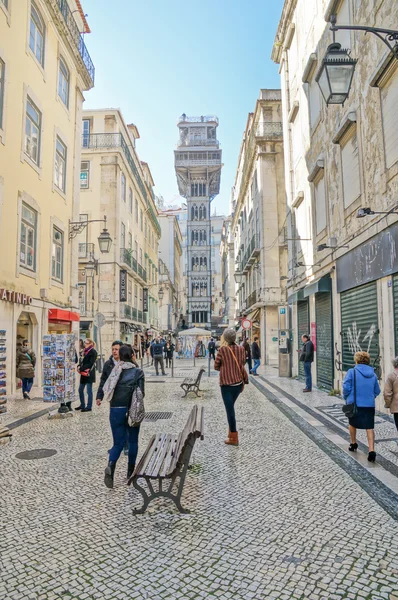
44 70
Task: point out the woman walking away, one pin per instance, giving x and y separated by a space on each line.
118 389
391 391
361 386
168 353
248 351
86 369
230 361
26 362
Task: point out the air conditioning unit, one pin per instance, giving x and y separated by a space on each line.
43 293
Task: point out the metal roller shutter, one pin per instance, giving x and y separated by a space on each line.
395 296
359 324
303 326
324 339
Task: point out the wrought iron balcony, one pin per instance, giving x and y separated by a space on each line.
251 253
134 313
202 119
77 37
191 162
252 299
139 316
197 142
126 258
267 129
125 311
86 309
86 250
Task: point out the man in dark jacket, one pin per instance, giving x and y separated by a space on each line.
307 357
212 349
158 350
256 356
108 366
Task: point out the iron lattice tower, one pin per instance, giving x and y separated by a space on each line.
198 169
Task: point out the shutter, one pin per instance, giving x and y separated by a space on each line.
350 164
359 324
324 339
395 297
389 108
320 205
303 326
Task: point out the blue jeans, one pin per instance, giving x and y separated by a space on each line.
122 432
257 363
89 394
27 383
230 395
308 376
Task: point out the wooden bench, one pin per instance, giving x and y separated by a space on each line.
190 384
166 459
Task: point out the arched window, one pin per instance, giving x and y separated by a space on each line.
36 34
192 213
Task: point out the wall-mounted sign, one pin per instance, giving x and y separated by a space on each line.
145 300
15 297
123 286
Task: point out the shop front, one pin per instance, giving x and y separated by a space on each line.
61 321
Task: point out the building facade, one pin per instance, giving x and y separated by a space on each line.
227 260
122 285
170 250
257 227
343 278
198 169
217 296
44 70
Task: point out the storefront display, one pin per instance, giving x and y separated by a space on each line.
59 367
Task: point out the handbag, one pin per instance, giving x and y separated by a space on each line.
350 410
136 412
242 370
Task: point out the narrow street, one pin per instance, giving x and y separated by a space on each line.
287 514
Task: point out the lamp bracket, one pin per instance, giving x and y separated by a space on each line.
386 35
76 227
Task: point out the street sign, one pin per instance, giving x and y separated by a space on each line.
123 286
246 324
99 320
145 300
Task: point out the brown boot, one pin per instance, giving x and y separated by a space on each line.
232 439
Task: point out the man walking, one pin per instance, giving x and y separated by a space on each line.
256 356
307 357
158 350
212 349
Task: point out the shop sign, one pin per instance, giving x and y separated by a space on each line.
15 297
123 286
145 300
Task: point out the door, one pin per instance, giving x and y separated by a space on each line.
303 327
359 324
324 339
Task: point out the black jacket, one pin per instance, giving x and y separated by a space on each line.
168 351
256 352
106 371
157 349
307 353
129 379
88 362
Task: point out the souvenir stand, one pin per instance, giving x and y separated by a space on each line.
59 367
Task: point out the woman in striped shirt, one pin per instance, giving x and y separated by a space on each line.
230 361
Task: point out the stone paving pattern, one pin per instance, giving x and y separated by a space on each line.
274 518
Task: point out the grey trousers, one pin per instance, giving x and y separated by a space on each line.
157 360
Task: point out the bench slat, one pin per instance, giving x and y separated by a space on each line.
161 455
169 458
144 458
153 455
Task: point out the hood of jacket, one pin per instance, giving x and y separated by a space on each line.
365 370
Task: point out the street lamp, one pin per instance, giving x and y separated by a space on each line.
366 212
337 70
104 239
160 294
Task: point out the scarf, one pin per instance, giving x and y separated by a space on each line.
113 378
87 350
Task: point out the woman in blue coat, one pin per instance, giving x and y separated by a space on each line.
367 390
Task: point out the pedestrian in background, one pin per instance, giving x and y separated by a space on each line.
256 356
307 357
168 353
248 351
212 349
86 368
118 390
157 350
391 391
25 365
230 362
362 387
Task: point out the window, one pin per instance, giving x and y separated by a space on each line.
2 71
123 187
136 210
130 201
32 131
36 36
141 256
141 220
320 204
84 174
86 133
314 102
60 165
57 255
123 235
5 2
350 167
63 82
27 249
130 241
135 296
389 102
129 291
145 228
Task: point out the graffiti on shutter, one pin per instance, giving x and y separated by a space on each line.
324 337
303 325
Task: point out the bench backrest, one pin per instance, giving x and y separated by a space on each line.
198 378
192 431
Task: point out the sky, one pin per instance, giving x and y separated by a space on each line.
157 59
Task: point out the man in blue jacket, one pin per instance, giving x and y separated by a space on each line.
158 351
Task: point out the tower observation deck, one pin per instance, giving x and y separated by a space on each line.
197 161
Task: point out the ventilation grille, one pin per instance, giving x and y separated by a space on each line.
157 416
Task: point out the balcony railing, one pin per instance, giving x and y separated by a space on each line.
198 142
86 250
86 309
269 130
126 257
202 119
77 37
250 254
252 299
211 162
125 311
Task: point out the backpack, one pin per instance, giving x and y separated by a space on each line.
212 345
136 411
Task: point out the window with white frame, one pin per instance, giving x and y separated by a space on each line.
320 202
350 166
141 220
130 201
141 256
28 239
63 82
2 84
57 257
84 174
123 235
314 102
60 165
129 291
389 111
32 131
136 210
36 34
135 296
86 133
145 228
123 187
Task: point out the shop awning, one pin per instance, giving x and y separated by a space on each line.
58 314
324 284
296 297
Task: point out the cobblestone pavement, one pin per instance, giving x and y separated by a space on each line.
274 518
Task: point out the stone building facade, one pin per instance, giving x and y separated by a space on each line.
170 251
338 160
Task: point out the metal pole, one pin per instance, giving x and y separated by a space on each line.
172 365
208 372
142 361
194 358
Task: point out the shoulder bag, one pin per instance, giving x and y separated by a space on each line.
136 412
242 370
350 410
